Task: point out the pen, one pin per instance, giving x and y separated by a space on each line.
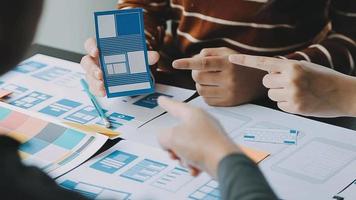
95 103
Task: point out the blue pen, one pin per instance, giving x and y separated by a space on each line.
95 103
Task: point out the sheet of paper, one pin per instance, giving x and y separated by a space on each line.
348 194
278 136
321 164
135 171
53 148
120 35
50 86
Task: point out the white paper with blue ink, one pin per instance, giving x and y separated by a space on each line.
123 52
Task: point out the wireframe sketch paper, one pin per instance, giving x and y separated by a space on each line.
318 166
123 52
51 86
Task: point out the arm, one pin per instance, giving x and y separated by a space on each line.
156 13
20 182
338 49
240 178
304 88
200 143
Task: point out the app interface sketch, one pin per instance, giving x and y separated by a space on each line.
123 52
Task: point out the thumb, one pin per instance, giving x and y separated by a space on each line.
153 57
175 108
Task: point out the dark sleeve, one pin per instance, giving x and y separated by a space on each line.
239 178
338 49
21 182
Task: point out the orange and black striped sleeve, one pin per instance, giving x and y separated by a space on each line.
338 49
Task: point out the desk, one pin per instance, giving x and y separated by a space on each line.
346 122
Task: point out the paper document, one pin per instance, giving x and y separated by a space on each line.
321 164
123 53
131 170
51 86
52 147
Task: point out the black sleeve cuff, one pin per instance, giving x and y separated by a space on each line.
8 144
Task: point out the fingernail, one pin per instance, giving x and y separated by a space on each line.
178 64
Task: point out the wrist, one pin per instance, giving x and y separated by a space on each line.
217 154
347 95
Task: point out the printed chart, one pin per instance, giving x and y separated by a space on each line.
49 146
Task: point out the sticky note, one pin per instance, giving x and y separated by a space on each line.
254 154
93 128
123 52
277 136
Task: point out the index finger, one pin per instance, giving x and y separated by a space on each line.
91 48
175 108
268 64
211 63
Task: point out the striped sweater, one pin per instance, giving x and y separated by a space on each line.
319 31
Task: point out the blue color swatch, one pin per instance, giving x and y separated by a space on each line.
150 101
30 100
69 139
60 107
123 52
33 146
113 162
144 170
4 112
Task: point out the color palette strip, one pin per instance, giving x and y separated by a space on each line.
44 144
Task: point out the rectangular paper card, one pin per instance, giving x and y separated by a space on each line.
278 136
123 52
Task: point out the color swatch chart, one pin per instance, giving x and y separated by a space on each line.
47 145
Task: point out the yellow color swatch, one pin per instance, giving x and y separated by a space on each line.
93 128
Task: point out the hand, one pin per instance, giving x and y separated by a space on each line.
198 141
304 88
220 82
94 74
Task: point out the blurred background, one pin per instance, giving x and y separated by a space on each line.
66 24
